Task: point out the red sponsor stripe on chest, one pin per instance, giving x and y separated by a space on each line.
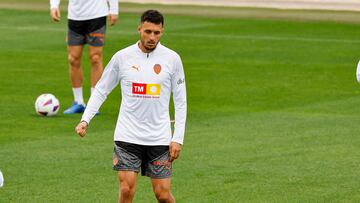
138 88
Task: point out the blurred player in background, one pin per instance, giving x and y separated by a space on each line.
148 73
86 25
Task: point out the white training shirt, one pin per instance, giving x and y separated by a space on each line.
147 81
88 9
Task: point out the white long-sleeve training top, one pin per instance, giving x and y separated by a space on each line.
147 81
88 9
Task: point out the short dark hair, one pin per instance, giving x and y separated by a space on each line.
152 16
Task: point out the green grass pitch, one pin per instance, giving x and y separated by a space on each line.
273 108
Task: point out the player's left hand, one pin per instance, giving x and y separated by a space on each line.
174 149
55 14
80 129
113 19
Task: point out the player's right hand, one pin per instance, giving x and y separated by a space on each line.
174 150
113 19
80 129
55 14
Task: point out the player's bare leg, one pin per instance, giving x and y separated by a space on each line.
96 58
76 76
161 188
74 59
127 186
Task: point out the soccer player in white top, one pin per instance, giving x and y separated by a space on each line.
148 73
86 25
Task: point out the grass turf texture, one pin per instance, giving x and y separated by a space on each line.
272 113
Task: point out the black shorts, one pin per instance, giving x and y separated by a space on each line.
152 160
90 32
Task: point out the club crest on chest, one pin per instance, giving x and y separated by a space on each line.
157 68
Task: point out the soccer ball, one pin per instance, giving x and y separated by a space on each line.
47 105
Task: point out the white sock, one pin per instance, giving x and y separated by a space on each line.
78 95
92 89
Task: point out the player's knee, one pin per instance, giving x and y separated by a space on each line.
125 192
162 195
74 61
95 59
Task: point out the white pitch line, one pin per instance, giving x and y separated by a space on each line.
220 36
276 38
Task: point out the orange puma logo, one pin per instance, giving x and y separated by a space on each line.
136 68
